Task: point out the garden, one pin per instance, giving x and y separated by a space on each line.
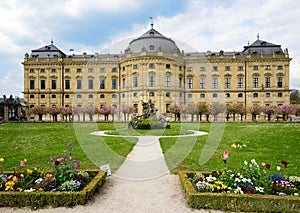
270 149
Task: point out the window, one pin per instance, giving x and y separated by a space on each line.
151 81
240 95
79 70
190 69
67 70
67 84
215 95
114 83
135 81
123 95
180 83
53 96
43 84
151 94
42 70
123 83
43 96
135 66
180 68
202 69
279 94
202 83
227 95
168 81
190 83
151 66
91 96
255 82
53 84
102 69
31 96
90 69
267 67
135 94
67 96
114 95
53 70
202 95
279 82
190 95
240 68
167 108
268 95
168 94
79 84
114 69
79 96
31 70
267 82
31 84
102 83
168 66
102 96
215 68
227 83
227 68
215 83
255 95
255 67
240 82
280 67
91 84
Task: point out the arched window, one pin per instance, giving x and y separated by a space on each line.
103 96
91 96
215 95
268 95
113 96
168 94
151 94
53 96
78 96
240 95
67 96
280 94
227 95
255 95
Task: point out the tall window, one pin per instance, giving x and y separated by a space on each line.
53 84
151 66
240 82
43 84
215 83
215 68
168 81
135 66
267 82
79 70
227 83
79 84
279 82
255 67
227 68
268 67
123 83
91 84
240 68
202 69
90 70
67 84
135 81
190 83
42 70
114 83
255 82
151 81
202 83
32 84
102 84
53 70
180 83
67 70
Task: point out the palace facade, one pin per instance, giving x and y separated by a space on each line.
153 67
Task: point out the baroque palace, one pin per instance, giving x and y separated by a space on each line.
153 67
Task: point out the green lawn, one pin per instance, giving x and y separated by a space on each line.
265 142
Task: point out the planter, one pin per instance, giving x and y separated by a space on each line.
56 199
237 202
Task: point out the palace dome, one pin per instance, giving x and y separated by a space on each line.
152 41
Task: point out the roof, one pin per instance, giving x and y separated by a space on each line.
263 47
47 51
152 41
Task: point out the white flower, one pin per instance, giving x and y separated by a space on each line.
278 168
296 194
246 163
29 190
253 161
39 180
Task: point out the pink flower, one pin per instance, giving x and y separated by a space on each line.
23 163
225 156
263 164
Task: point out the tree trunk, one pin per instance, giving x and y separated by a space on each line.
40 117
233 117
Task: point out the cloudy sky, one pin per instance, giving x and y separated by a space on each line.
93 25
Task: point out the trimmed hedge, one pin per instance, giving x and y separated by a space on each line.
37 200
237 202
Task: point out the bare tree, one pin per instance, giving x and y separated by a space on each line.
216 109
202 109
254 110
54 111
175 109
192 109
40 111
126 110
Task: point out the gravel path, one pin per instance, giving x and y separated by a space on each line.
142 184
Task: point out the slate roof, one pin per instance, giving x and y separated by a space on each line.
263 47
47 51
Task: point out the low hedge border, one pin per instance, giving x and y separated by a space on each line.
236 202
36 200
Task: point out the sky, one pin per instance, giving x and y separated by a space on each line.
108 26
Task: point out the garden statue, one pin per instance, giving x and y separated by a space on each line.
149 110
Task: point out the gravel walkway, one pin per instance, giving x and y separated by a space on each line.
142 184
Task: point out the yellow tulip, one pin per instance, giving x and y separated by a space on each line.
1 159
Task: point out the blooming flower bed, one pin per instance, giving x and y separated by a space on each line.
31 185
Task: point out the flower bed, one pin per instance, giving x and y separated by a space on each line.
64 185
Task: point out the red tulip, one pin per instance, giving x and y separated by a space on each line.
268 166
285 163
